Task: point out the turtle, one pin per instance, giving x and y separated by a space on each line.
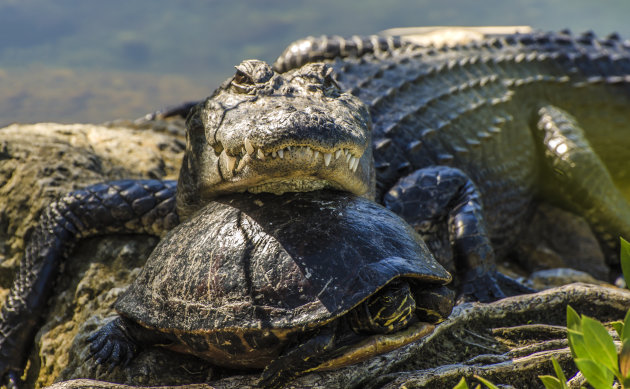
286 283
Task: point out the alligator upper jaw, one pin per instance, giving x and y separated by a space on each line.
312 156
294 167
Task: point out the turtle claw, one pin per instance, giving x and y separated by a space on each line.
112 345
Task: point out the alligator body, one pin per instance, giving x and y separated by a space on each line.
523 116
459 141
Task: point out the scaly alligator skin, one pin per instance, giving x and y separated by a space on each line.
464 139
517 114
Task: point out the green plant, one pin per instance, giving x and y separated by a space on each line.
595 353
557 382
592 347
463 385
624 258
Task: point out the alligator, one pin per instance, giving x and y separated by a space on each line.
460 141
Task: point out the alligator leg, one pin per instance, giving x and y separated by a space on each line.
439 201
146 206
575 176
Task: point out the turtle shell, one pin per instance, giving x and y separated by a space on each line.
252 263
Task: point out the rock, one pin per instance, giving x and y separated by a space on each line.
42 161
549 278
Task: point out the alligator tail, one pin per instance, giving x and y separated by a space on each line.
127 206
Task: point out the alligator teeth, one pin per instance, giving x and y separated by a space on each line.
248 152
243 162
229 161
248 146
353 160
327 157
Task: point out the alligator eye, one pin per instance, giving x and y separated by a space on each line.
249 74
243 83
242 78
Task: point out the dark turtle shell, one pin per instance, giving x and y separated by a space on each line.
265 264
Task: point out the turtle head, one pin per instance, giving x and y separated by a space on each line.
390 309
262 131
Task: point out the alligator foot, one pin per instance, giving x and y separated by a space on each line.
488 286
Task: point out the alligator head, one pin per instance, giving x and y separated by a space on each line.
267 132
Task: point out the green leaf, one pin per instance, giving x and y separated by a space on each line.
559 372
550 382
577 345
576 340
625 259
624 359
600 344
618 326
486 382
573 320
625 334
461 384
596 374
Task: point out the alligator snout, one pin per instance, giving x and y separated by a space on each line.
277 133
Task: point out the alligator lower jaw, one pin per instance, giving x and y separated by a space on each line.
295 185
294 169
282 176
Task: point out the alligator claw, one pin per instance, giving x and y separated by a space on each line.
488 286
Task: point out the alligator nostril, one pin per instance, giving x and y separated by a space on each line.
218 148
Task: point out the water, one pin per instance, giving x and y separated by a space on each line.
93 61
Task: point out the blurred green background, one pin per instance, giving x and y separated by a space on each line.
92 61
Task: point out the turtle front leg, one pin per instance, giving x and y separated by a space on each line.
120 340
300 359
444 207
114 343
